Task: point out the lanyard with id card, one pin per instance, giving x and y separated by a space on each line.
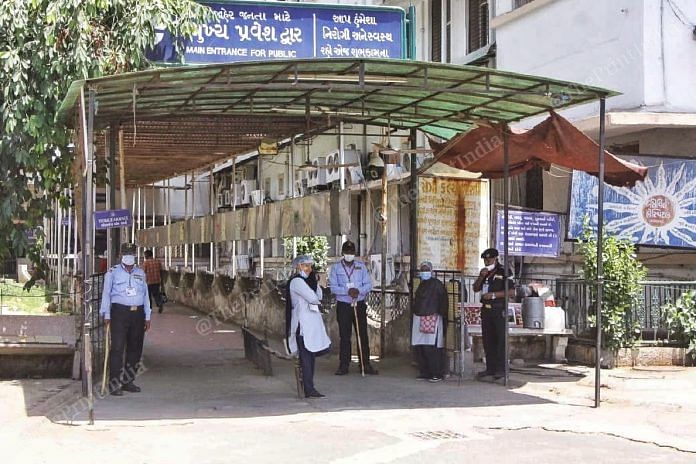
349 275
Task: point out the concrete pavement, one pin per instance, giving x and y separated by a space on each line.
202 402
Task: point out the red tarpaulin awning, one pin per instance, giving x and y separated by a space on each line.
554 141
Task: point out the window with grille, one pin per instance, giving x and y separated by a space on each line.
436 30
478 24
448 31
281 184
519 3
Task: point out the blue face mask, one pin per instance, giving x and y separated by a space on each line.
303 274
425 275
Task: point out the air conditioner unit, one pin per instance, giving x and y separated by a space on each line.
257 197
238 176
393 171
300 189
223 182
318 176
376 270
406 161
227 197
244 189
332 172
300 183
355 175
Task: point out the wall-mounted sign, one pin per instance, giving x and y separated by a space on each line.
532 233
112 218
453 224
260 31
659 211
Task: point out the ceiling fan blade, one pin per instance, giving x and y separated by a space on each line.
390 151
344 165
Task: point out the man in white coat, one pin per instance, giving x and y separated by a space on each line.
306 334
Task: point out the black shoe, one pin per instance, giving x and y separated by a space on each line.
498 375
130 387
341 371
314 394
117 392
161 308
483 374
435 378
369 370
423 377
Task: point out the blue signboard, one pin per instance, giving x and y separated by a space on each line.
112 218
659 211
279 30
532 233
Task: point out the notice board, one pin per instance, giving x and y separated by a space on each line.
532 233
261 31
453 222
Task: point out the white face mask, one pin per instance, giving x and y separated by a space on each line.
490 267
128 260
349 258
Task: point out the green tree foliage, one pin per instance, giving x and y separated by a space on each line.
44 46
622 275
681 320
318 247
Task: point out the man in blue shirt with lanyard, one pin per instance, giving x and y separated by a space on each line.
350 281
125 306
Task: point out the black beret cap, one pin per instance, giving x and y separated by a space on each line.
128 249
348 246
489 253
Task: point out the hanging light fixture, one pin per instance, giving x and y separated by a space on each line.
307 165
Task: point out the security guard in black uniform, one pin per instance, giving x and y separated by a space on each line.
491 284
125 306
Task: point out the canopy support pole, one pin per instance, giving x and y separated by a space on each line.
600 245
506 267
413 218
87 123
113 235
383 277
234 208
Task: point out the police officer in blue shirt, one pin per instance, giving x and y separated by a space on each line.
125 306
350 281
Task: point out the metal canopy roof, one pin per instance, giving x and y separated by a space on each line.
184 118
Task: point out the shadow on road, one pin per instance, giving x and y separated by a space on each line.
189 375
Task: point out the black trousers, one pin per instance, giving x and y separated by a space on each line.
493 333
429 359
346 322
155 293
127 334
307 359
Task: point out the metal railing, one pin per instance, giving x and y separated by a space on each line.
396 304
573 294
96 324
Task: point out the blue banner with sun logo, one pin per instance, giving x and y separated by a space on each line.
659 211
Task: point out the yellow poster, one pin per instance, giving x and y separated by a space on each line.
453 224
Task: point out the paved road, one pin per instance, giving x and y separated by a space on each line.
202 402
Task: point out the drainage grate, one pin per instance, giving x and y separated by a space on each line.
438 435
